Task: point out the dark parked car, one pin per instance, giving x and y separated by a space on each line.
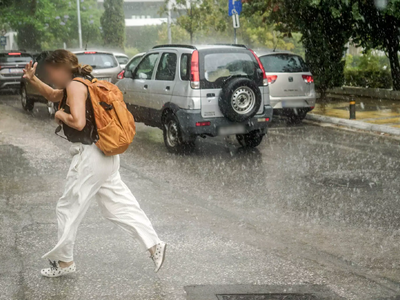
29 96
11 65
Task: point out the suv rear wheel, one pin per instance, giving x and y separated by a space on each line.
240 99
173 136
27 104
250 140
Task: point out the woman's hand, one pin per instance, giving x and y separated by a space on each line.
57 116
30 71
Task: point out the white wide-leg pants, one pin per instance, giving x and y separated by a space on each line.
92 175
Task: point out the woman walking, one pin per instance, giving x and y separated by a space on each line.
92 175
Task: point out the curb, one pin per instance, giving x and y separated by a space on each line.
354 124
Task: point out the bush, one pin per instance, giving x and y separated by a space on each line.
369 79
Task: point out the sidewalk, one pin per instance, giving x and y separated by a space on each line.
371 114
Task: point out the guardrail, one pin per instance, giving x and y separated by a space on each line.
363 93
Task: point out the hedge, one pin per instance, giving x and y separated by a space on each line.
369 79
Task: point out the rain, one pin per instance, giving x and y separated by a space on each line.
199 149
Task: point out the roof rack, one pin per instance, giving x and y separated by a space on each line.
175 46
233 45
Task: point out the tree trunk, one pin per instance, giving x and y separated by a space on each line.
393 49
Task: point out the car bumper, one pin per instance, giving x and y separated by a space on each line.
292 102
189 118
10 83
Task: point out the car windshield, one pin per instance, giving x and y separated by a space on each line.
219 66
98 60
122 60
15 58
283 63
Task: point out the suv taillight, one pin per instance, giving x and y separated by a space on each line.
308 78
272 78
265 80
121 74
195 72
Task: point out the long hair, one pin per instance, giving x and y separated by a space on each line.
67 59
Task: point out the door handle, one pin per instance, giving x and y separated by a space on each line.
210 95
167 88
145 86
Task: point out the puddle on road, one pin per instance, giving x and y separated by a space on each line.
259 292
267 297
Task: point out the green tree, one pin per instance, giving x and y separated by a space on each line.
325 27
47 24
190 15
27 18
113 24
255 32
377 27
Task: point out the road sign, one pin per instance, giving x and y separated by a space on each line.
3 40
236 23
235 7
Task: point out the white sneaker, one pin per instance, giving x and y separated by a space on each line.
56 271
159 255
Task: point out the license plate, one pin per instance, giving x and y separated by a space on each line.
104 78
234 129
14 71
293 104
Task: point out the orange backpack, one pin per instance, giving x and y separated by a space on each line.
115 124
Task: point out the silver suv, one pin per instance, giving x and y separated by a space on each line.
190 91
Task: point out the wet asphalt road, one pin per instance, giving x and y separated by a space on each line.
311 205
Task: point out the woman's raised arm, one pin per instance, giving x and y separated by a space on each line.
53 95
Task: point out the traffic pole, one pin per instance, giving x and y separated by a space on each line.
352 108
234 36
169 22
79 23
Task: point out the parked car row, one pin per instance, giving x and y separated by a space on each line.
191 92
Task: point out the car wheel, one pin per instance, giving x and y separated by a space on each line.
250 140
297 115
27 104
240 99
52 108
173 136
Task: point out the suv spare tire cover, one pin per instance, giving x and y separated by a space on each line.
240 99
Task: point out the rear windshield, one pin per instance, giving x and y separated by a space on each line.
219 66
15 58
283 63
122 60
98 60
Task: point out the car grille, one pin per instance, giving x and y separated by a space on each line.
104 78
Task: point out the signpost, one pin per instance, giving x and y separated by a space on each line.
235 8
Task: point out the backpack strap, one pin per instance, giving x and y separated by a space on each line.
85 81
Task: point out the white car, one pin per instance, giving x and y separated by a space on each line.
122 59
132 63
291 84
